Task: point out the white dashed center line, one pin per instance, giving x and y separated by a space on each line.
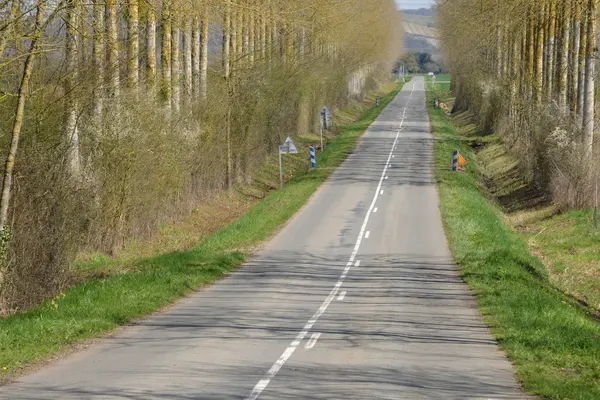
266 379
312 341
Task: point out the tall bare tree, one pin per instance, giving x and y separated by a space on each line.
72 76
19 115
133 51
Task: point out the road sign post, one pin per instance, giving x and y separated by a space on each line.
280 171
324 123
313 158
321 132
455 160
288 147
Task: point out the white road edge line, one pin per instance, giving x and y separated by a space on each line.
342 295
264 382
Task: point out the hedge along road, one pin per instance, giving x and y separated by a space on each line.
356 298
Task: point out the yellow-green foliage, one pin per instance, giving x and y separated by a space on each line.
142 155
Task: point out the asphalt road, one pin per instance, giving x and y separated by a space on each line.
356 298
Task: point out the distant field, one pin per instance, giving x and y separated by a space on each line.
425 20
420 30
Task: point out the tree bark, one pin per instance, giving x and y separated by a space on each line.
132 57
226 41
151 45
564 56
551 59
531 53
251 31
165 54
113 51
72 75
15 9
196 57
235 34
204 55
590 63
574 81
245 32
263 35
582 62
187 60
99 54
498 52
540 62
175 66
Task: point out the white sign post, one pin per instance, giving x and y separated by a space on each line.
288 147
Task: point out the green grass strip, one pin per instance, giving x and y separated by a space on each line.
98 306
553 343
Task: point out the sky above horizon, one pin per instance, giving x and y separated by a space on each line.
413 4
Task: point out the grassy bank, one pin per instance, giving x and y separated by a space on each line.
100 304
552 341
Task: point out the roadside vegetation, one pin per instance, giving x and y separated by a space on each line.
118 118
526 70
117 291
550 336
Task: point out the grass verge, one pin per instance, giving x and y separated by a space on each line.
552 341
101 304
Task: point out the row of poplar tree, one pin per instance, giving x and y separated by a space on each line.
531 65
117 116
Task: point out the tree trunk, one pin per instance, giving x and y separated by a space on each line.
175 66
16 24
165 54
113 52
229 166
196 57
235 37
574 81
564 55
151 45
238 22
540 62
263 35
204 55
72 75
251 33
498 52
245 33
18 122
99 54
226 41
132 57
514 79
83 36
13 17
582 61
590 63
531 53
187 60
551 50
